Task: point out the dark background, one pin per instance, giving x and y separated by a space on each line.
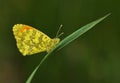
92 58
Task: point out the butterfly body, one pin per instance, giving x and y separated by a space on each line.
30 40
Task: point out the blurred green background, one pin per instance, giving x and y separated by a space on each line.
92 58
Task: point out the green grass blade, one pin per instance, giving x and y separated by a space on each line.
66 41
79 32
33 73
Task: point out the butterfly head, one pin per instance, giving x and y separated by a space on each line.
52 44
56 40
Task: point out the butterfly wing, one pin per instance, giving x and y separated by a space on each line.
30 40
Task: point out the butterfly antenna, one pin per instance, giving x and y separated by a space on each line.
57 34
60 34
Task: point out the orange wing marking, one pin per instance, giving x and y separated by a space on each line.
25 28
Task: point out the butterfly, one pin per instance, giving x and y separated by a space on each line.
30 40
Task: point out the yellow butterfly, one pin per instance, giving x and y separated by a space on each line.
30 40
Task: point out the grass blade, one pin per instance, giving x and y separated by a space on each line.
66 41
33 73
79 32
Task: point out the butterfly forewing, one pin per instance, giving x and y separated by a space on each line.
30 40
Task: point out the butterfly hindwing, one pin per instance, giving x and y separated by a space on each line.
30 40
